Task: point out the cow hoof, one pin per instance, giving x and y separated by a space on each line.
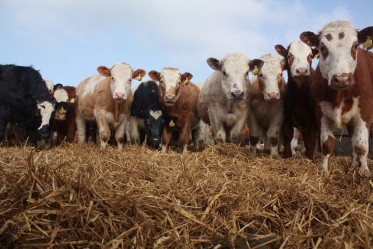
365 173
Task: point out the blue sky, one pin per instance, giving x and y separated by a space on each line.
67 40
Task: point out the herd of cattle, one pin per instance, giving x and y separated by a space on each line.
169 107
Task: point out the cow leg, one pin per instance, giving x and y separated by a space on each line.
119 133
2 129
327 141
184 137
360 147
310 138
236 130
254 133
134 130
218 130
273 138
103 128
80 128
166 138
288 133
196 133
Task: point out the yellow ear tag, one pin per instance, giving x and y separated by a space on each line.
368 44
255 70
316 56
186 81
72 101
139 77
171 124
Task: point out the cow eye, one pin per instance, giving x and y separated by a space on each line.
224 73
247 73
261 75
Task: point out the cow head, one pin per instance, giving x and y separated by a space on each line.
61 98
121 75
271 82
153 122
171 83
46 110
234 69
338 43
49 85
298 57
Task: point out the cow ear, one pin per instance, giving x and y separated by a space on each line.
310 38
214 63
283 64
186 77
104 71
138 74
255 63
154 75
281 50
365 36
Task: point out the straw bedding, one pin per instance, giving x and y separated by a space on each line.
81 196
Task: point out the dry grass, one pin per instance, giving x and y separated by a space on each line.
80 196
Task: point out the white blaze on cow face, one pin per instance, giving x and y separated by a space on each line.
49 85
338 45
121 78
299 58
270 77
155 114
170 79
46 109
61 95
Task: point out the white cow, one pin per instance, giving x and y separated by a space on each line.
266 112
224 97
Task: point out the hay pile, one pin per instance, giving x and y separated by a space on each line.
80 196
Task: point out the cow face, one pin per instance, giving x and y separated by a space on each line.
338 43
234 70
46 109
271 82
299 60
61 98
153 128
121 75
171 83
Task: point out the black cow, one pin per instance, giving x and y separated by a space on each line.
147 117
25 101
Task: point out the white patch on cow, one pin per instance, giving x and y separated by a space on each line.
269 74
49 85
121 78
300 51
155 114
171 78
45 108
339 59
91 84
60 95
236 67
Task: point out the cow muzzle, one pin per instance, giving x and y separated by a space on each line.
302 72
272 96
44 132
119 97
170 99
237 94
341 81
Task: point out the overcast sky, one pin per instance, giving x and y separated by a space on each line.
66 40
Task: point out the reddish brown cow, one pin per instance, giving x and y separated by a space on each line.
342 88
299 105
64 123
178 97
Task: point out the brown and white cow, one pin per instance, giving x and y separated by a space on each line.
299 105
178 97
106 98
65 119
225 96
266 112
342 86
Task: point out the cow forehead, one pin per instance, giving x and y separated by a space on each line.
61 95
340 33
235 63
299 48
155 113
171 76
272 65
121 71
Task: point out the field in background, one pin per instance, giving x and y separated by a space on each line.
81 196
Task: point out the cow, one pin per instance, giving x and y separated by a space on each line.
178 98
50 85
106 98
342 88
224 99
25 101
64 123
147 117
299 105
266 112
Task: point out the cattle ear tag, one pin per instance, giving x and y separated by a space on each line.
255 70
316 56
172 123
72 101
186 81
368 44
139 77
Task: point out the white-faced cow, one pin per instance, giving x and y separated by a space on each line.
106 98
266 112
146 115
224 98
178 98
25 101
342 86
299 105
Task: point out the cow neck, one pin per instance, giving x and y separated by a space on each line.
116 111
